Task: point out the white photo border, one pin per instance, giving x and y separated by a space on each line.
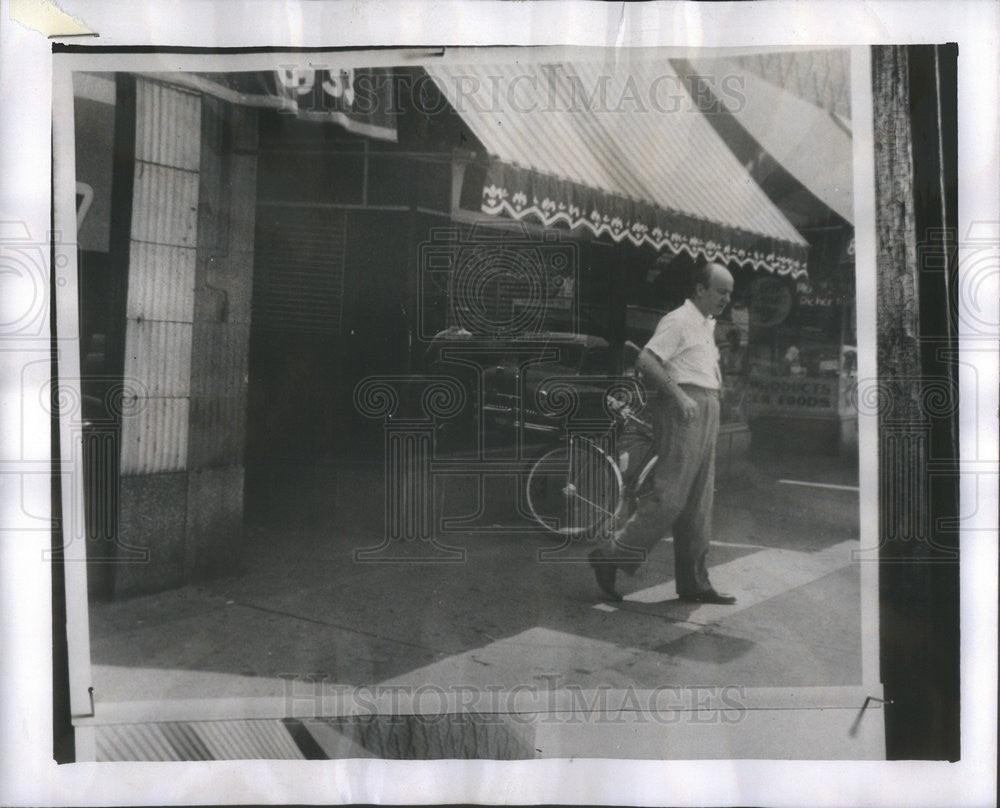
27 64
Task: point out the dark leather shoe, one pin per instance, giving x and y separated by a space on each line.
709 596
604 572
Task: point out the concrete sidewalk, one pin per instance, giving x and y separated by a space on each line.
308 653
502 618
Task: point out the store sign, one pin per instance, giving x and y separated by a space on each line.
793 395
847 256
832 291
325 89
816 300
359 99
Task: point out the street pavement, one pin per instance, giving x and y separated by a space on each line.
518 615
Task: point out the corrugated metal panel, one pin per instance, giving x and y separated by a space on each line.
666 154
155 440
248 740
160 306
138 742
158 355
168 125
299 270
161 282
803 138
459 736
165 205
252 739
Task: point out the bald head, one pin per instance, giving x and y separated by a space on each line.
712 289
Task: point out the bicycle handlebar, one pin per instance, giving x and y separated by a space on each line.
623 410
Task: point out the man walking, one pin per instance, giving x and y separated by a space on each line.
682 363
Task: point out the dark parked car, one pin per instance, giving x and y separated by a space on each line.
524 389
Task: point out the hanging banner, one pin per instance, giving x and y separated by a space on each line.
359 99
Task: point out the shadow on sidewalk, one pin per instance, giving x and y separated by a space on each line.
302 605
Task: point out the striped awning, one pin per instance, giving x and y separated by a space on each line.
809 142
621 149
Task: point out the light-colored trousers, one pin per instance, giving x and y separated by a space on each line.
684 488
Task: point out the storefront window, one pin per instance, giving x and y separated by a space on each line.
800 365
731 339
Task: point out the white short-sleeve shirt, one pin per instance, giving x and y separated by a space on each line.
684 341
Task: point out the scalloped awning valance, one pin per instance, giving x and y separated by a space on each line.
621 149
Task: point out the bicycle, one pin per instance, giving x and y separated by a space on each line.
591 485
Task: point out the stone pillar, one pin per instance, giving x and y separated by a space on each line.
223 284
158 333
186 336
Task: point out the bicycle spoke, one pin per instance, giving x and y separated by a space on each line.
591 502
575 489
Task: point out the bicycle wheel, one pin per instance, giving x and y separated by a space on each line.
644 482
640 486
576 489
